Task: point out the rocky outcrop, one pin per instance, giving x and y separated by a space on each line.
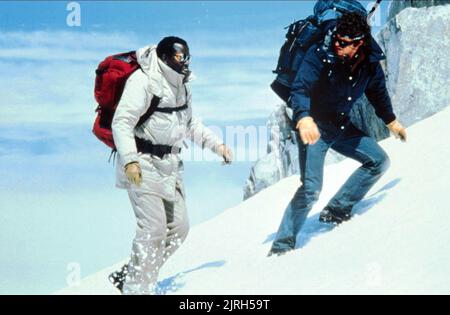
398 5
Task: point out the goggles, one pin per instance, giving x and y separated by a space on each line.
182 58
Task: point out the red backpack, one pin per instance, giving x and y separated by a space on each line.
111 76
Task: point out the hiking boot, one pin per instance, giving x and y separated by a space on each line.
329 216
117 278
278 253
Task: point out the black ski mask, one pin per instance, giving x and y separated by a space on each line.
174 51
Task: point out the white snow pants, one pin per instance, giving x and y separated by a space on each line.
161 228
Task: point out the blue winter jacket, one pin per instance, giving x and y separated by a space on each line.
325 89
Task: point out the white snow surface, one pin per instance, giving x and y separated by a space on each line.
396 243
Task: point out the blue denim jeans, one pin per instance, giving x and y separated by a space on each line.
350 142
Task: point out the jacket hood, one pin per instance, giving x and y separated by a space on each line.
148 61
156 70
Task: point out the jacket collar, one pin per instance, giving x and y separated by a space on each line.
173 77
376 53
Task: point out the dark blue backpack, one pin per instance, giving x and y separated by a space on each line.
302 34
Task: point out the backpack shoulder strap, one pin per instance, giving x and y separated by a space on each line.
153 106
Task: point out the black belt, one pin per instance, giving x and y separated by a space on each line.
147 147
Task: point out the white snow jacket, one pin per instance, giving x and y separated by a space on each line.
159 176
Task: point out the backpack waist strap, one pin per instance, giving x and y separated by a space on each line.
171 109
147 147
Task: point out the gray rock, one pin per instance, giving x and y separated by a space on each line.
398 5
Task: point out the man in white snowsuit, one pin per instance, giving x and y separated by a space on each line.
149 164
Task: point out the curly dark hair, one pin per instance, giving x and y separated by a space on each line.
353 25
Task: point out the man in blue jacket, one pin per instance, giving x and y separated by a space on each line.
332 76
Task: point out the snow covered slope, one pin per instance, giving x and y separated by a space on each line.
396 243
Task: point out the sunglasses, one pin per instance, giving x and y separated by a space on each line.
355 42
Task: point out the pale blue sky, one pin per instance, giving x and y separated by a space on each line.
161 15
234 46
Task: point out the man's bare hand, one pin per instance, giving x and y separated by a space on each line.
309 132
398 130
225 153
